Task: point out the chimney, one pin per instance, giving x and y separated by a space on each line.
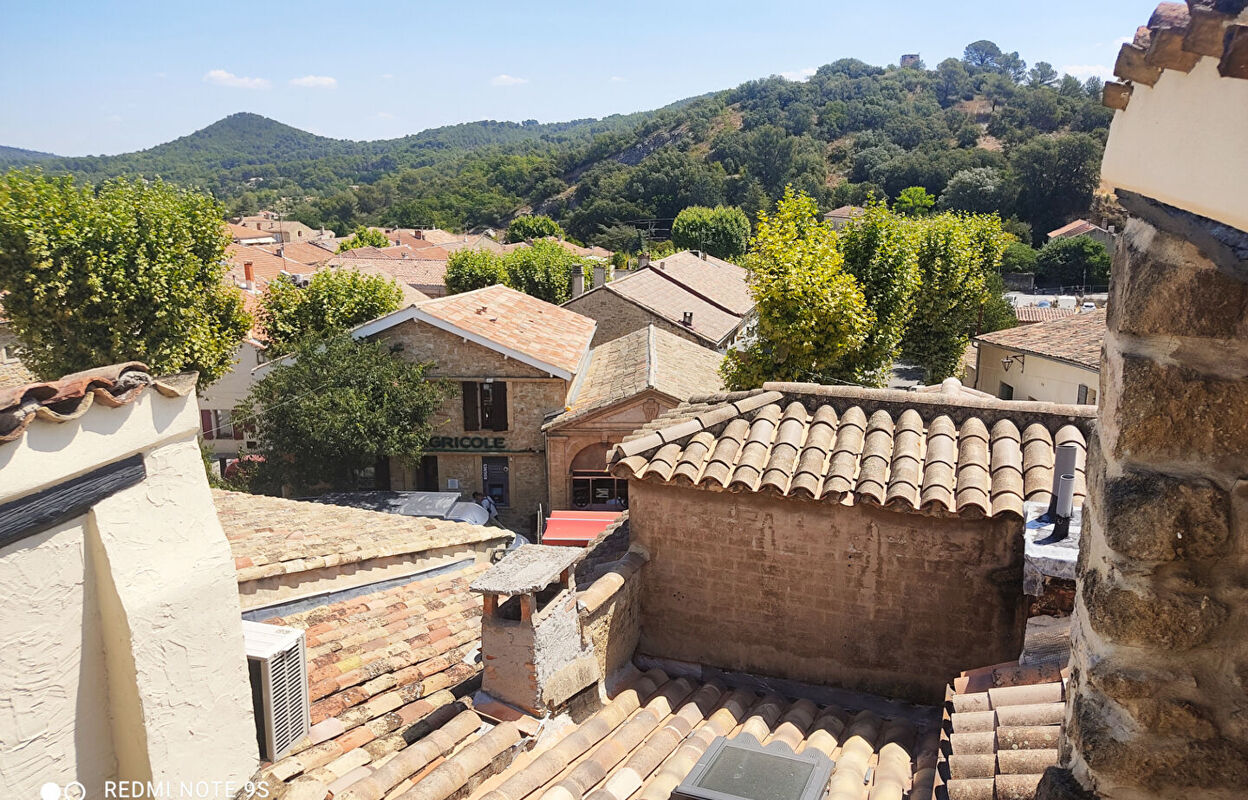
418 234
703 254
578 283
687 319
529 611
600 275
643 261
249 275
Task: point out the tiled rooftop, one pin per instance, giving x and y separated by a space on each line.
305 253
273 536
265 265
649 358
73 395
1001 732
670 301
1076 339
514 320
415 272
936 453
1077 228
1029 314
377 665
645 741
721 282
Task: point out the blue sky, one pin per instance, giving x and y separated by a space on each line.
106 77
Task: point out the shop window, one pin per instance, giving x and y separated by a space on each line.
1006 392
485 406
496 479
598 491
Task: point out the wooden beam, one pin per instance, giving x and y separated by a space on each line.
42 510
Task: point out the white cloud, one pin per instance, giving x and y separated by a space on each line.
507 80
1085 71
384 115
222 78
315 82
805 73
388 76
618 79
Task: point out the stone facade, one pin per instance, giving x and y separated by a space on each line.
565 442
1161 633
617 317
531 395
854 596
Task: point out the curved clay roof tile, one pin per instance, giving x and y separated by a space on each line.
719 466
693 458
877 452
790 436
808 475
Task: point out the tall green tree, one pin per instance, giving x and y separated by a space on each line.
880 251
1073 261
335 408
528 227
1018 257
363 237
956 253
914 201
811 313
723 231
129 270
979 190
474 269
1057 176
333 301
543 270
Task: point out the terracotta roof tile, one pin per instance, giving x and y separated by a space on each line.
671 301
721 282
937 453
265 265
419 273
514 320
1030 314
1076 339
274 536
378 664
649 358
73 395
1000 732
1076 228
302 252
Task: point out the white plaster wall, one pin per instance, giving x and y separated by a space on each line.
1184 141
1037 378
137 657
54 718
230 390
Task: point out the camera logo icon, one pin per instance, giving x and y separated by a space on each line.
70 791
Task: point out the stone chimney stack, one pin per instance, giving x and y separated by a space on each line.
600 275
531 642
578 282
1159 687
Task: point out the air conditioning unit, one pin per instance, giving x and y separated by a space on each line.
278 665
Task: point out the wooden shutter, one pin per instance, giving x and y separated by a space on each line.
498 414
472 406
205 422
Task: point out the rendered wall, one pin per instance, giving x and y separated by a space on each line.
228 392
127 658
1036 378
861 598
617 317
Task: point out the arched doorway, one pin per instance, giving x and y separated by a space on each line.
593 488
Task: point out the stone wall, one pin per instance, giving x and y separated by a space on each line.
616 317
1160 706
611 614
858 597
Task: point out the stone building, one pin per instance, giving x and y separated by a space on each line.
511 359
867 539
693 295
1160 660
629 381
1055 362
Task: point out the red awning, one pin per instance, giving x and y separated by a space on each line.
576 528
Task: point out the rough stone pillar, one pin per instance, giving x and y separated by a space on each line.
1160 663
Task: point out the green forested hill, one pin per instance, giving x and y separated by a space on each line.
982 132
16 156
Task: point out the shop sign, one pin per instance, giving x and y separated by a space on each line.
470 444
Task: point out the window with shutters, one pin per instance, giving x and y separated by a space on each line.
219 424
1006 392
1086 396
485 406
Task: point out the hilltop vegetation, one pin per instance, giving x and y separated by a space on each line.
981 133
